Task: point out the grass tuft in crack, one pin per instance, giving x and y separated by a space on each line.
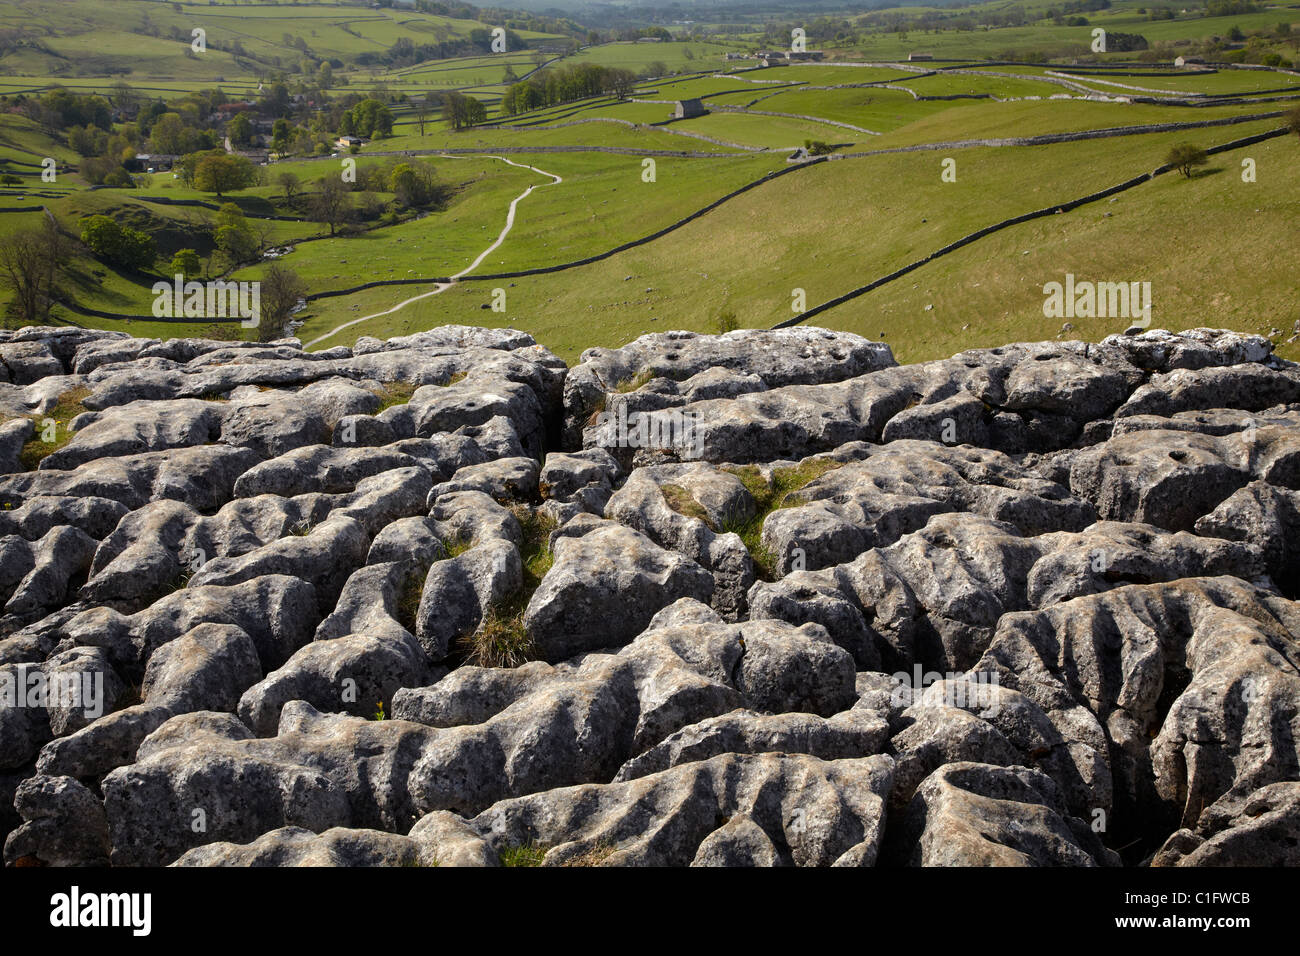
501 640
527 854
65 410
681 501
636 381
780 492
394 393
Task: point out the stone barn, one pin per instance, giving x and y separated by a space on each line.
688 108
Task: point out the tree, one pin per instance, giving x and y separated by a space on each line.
118 244
188 163
403 184
280 291
240 129
289 183
234 235
223 173
1184 156
185 263
168 134
331 203
621 83
422 108
415 184
1293 120
30 260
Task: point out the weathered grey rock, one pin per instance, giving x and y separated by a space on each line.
14 434
935 596
795 421
1209 421
356 674
52 570
472 516
362 654
277 611
1192 683
309 774
24 723
460 592
412 541
477 400
144 557
63 825
1266 832
1267 518
318 468
778 358
563 475
991 622
22 363
36 517
295 846
1159 350
795 810
881 493
957 420
850 734
1250 387
1165 478
81 686
202 477
584 719
364 430
323 557
713 499
136 428
606 582
972 814
151 804
275 422
204 670
505 479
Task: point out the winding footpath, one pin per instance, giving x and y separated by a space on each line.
443 286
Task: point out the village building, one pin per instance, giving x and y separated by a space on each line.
150 162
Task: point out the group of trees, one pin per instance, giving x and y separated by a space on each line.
118 244
1231 8
567 83
461 111
370 117
414 184
33 263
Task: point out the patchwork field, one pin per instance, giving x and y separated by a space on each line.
546 187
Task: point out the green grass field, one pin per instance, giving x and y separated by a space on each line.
829 229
